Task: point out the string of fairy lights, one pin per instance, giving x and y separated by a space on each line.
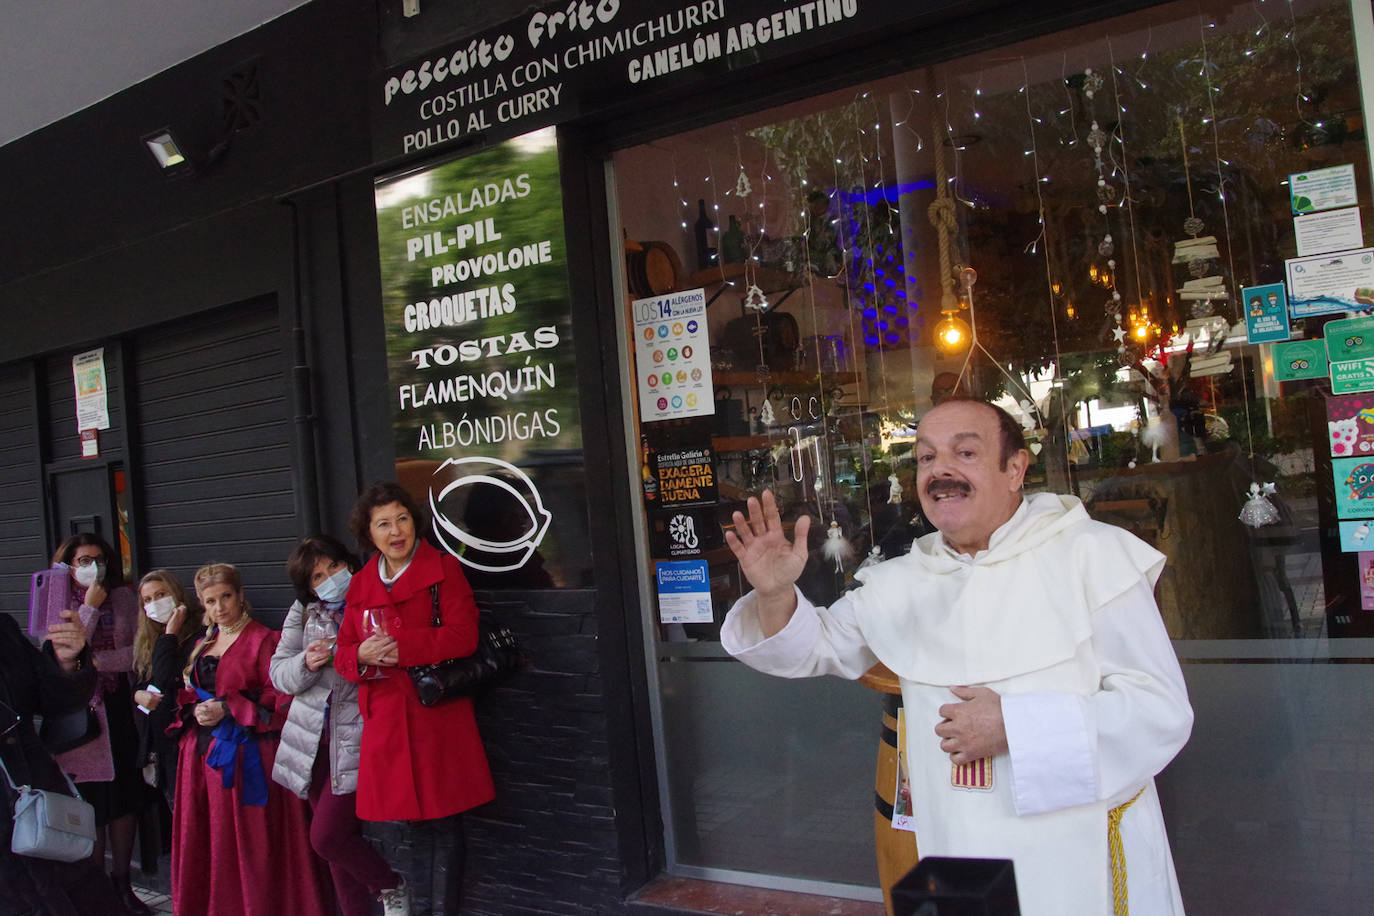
1095 124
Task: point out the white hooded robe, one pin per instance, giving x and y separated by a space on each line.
1057 616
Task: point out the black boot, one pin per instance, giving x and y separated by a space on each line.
127 898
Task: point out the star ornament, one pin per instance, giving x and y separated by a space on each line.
1118 334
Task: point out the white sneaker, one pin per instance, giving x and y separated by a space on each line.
396 900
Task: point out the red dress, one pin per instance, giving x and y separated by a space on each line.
228 858
417 762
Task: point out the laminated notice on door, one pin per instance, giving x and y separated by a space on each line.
684 591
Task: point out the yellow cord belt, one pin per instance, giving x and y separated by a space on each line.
1119 905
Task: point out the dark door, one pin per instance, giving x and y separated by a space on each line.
83 500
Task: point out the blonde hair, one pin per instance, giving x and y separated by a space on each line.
149 629
208 575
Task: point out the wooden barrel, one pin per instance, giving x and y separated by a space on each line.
652 268
896 849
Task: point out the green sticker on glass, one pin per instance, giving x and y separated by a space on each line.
1300 359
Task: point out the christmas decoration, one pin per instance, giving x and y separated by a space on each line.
1258 511
837 547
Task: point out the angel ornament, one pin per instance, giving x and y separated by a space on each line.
1258 511
875 556
895 492
837 547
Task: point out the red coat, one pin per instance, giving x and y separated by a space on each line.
417 762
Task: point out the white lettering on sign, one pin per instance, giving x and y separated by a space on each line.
478 55
498 384
499 345
437 209
460 308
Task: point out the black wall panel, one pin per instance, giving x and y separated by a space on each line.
214 449
23 549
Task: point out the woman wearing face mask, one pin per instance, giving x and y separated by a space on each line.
107 769
229 817
170 625
318 755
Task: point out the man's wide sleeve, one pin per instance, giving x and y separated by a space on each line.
815 641
1069 750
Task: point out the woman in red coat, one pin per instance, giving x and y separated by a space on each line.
240 843
417 763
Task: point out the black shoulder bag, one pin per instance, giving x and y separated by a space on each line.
497 655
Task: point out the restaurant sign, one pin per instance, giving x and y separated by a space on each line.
573 58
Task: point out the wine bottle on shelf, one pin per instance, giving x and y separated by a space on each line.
706 255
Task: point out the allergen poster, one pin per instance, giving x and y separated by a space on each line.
673 356
483 385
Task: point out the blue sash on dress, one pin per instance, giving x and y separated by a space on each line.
228 736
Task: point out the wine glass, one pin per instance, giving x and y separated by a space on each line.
320 628
374 622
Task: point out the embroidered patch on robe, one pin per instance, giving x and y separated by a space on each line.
976 775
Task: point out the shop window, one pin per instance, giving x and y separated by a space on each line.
1086 228
1094 229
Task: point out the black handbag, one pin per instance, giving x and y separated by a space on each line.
68 731
497 655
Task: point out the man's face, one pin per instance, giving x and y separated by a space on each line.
963 491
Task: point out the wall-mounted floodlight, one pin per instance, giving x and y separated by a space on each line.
167 151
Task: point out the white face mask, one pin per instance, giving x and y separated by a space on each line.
333 589
88 575
162 609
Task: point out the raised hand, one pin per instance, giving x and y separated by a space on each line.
173 626
768 560
68 639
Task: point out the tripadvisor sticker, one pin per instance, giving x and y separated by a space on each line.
1300 359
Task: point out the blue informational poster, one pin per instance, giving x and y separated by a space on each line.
684 590
1266 313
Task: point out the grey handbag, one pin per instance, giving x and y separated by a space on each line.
50 825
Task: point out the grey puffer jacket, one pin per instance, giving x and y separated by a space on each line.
314 691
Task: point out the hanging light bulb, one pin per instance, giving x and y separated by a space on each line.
952 334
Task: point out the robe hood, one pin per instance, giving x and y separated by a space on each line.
1022 605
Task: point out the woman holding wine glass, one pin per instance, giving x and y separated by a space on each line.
318 755
422 764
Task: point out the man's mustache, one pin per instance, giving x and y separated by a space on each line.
947 485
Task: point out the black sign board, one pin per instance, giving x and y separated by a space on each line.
587 56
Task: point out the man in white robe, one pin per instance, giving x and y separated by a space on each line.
1040 690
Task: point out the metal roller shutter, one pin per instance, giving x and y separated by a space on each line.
214 449
23 549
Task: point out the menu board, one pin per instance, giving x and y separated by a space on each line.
482 379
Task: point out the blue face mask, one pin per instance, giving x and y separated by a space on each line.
333 589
